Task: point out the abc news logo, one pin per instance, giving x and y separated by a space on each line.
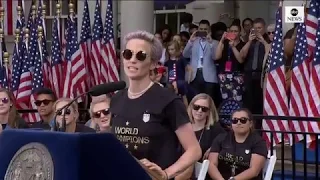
294 14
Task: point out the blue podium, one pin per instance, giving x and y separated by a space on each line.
73 156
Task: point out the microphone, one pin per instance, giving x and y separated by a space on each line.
94 91
107 88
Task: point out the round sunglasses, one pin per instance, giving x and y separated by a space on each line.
270 32
128 54
97 114
242 120
4 100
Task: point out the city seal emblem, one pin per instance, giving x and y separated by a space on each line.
31 162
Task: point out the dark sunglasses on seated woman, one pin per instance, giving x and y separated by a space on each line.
4 100
272 32
105 112
65 112
45 102
203 108
242 120
128 54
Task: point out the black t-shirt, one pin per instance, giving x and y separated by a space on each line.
41 125
84 129
239 154
227 51
206 136
147 125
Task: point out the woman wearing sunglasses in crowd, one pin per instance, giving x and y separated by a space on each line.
150 120
204 118
71 115
239 154
9 116
100 114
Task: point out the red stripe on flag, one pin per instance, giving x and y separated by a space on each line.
9 17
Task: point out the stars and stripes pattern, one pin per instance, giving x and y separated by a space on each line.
85 42
96 58
314 98
275 102
312 24
300 83
109 61
56 59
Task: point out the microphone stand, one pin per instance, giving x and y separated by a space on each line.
63 125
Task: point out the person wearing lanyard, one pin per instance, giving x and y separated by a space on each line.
230 61
200 49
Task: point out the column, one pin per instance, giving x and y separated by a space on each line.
135 15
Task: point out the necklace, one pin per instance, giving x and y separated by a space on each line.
135 95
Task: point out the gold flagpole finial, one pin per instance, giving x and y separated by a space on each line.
44 7
58 7
26 33
40 32
1 13
17 35
6 58
71 8
19 10
1 34
34 11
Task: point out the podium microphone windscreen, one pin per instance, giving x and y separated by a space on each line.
107 88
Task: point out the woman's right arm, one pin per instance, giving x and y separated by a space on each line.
219 50
213 158
213 166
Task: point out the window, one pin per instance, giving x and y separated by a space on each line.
50 14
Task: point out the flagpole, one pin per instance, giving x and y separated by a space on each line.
40 37
6 64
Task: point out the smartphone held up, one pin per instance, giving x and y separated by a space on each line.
201 34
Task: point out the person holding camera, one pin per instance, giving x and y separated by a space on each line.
231 64
201 51
253 53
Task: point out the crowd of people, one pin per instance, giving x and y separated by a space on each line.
168 117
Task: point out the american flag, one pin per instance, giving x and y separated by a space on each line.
17 57
275 102
312 24
46 66
37 77
109 62
67 67
314 98
300 83
78 72
56 59
96 47
25 86
79 55
85 42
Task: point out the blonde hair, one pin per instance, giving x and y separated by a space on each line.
14 116
213 113
96 100
74 105
177 47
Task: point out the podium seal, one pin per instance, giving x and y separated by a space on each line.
32 161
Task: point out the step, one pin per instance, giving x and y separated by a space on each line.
311 168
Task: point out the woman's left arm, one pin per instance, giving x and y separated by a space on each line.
192 149
259 153
179 119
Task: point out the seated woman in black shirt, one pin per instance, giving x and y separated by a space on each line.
230 63
239 154
150 120
9 116
204 118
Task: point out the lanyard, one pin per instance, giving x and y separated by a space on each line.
202 47
229 53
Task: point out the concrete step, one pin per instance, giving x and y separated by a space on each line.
311 168
287 153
